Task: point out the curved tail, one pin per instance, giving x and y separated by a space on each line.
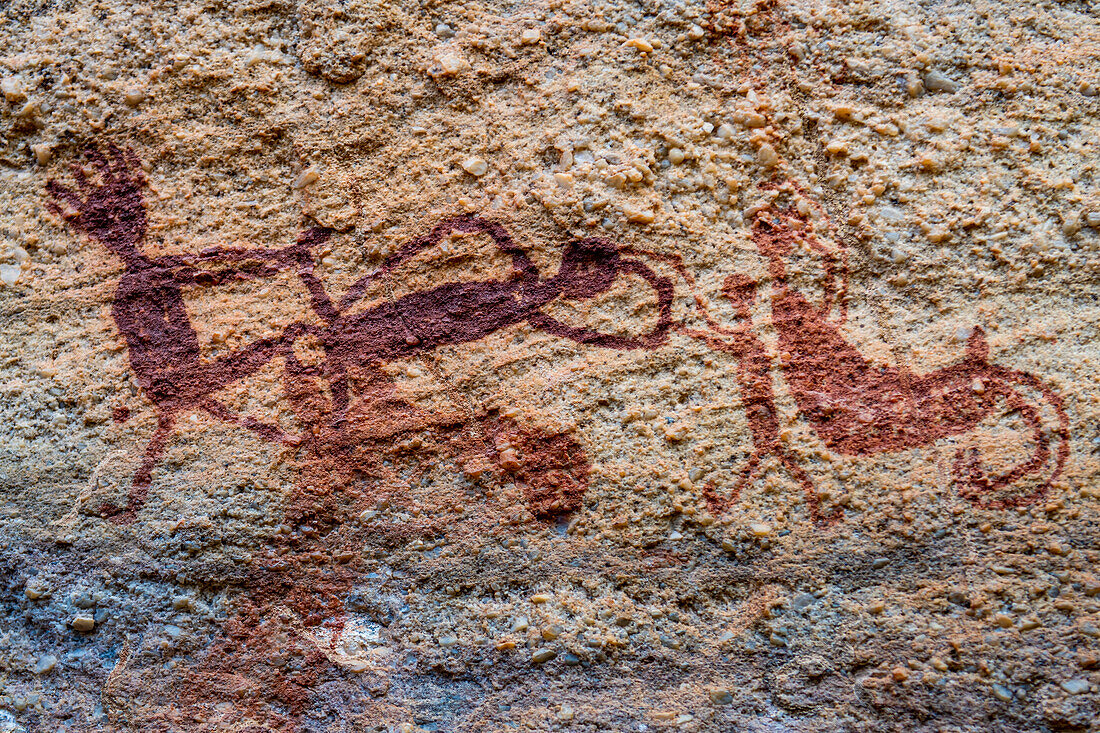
968 470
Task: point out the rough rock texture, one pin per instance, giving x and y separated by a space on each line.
590 365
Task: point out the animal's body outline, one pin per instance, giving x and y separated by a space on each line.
455 312
880 409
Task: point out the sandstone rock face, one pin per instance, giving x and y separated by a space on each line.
595 365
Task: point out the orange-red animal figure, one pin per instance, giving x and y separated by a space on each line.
859 408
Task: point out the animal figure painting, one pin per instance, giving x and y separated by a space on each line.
857 408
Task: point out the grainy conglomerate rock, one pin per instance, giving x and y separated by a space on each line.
602 365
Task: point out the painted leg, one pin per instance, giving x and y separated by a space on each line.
719 506
270 433
812 501
143 477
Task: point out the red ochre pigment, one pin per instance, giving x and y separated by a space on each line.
164 349
856 407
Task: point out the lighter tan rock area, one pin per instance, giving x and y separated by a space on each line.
580 365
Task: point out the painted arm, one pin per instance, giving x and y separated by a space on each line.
240 254
588 336
469 224
661 285
260 263
184 272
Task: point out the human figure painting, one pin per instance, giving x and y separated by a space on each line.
855 407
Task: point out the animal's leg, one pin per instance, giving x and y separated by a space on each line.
303 388
977 348
143 477
240 364
195 381
812 500
319 298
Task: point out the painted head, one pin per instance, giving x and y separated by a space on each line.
110 210
588 267
771 235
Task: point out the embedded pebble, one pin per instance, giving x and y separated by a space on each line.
1076 686
306 178
720 696
45 664
475 166
449 64
12 89
767 156
937 82
82 622
759 529
10 274
43 153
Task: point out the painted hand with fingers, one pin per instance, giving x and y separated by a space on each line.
111 211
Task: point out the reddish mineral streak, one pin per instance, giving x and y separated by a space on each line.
164 349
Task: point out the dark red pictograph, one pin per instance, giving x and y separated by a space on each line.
164 349
460 312
149 308
857 407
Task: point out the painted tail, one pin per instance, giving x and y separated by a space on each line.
968 470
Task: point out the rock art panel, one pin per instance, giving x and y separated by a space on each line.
631 366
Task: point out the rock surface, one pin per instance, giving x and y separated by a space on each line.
634 366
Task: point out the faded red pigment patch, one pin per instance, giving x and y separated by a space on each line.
266 660
551 467
263 666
